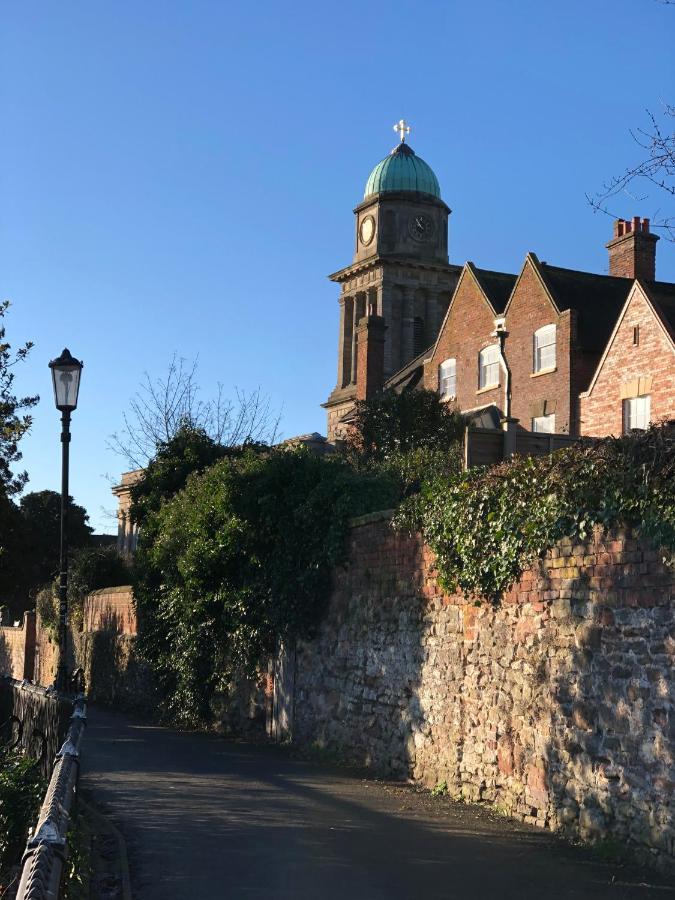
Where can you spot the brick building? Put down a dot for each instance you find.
(533, 346)
(634, 383)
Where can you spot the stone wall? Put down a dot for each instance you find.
(46, 655)
(556, 705)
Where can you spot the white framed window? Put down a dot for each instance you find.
(544, 348)
(544, 424)
(488, 367)
(636, 413)
(447, 378)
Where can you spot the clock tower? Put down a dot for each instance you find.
(396, 291)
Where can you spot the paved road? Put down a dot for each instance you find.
(205, 818)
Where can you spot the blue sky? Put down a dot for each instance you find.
(180, 176)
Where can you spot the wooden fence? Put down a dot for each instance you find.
(488, 446)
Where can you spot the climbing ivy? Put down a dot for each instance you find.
(487, 525)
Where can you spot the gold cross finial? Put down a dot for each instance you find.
(402, 128)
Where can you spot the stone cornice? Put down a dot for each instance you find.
(340, 395)
(412, 197)
(396, 261)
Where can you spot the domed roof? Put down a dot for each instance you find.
(402, 170)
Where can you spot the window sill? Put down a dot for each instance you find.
(543, 372)
(488, 387)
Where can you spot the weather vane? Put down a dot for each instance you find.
(402, 128)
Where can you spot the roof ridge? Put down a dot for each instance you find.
(493, 272)
(546, 265)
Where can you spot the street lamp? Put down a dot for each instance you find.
(66, 379)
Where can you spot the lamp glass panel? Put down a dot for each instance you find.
(66, 386)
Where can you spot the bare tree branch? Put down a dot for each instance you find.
(655, 171)
(163, 405)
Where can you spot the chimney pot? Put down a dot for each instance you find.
(632, 250)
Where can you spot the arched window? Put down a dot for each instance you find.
(447, 379)
(418, 336)
(544, 349)
(488, 367)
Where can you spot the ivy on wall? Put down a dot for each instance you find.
(486, 526)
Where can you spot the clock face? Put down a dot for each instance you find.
(367, 230)
(421, 227)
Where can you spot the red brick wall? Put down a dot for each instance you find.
(466, 332)
(468, 329)
(530, 309)
(17, 648)
(602, 408)
(110, 609)
(46, 655)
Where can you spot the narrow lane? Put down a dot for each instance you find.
(205, 818)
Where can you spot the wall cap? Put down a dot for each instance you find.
(381, 515)
(120, 589)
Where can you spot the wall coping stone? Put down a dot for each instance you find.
(120, 589)
(380, 515)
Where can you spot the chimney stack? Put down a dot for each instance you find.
(632, 250)
(369, 356)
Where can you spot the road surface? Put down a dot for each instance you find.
(207, 818)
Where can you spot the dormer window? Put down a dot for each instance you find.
(544, 349)
(447, 379)
(488, 367)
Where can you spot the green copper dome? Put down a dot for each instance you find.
(402, 170)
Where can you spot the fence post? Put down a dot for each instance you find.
(510, 429)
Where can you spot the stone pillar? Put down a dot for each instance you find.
(345, 341)
(441, 303)
(341, 340)
(359, 312)
(385, 309)
(407, 327)
(370, 339)
(121, 531)
(30, 638)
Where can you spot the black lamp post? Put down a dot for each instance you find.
(66, 378)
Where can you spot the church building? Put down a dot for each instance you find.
(526, 346)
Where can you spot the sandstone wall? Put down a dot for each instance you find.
(557, 705)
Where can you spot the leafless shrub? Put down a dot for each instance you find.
(162, 405)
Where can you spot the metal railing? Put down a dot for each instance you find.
(42, 864)
(34, 719)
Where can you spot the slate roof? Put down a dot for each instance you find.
(497, 286)
(410, 375)
(662, 294)
(597, 298)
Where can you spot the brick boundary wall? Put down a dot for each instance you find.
(110, 609)
(17, 648)
(556, 706)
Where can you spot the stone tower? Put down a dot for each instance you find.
(396, 291)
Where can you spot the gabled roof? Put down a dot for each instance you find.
(663, 309)
(597, 298)
(410, 375)
(496, 286)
